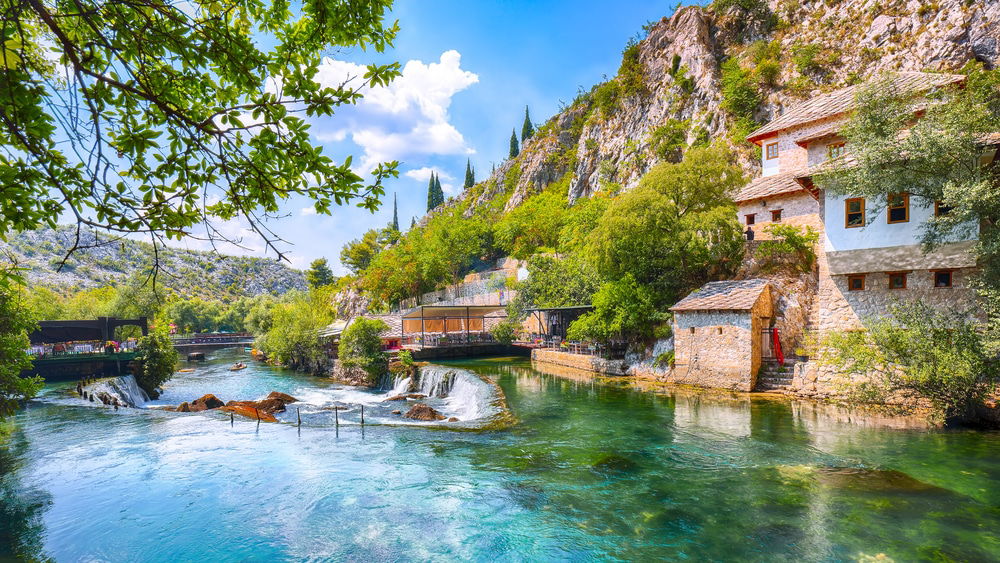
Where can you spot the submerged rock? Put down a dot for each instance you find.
(614, 463)
(453, 419)
(406, 396)
(397, 412)
(421, 411)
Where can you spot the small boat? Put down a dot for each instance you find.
(187, 370)
(238, 366)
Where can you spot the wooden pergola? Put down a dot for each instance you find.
(449, 320)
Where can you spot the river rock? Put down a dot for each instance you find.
(206, 402)
(183, 407)
(406, 396)
(283, 397)
(453, 419)
(421, 411)
(397, 412)
(248, 411)
(275, 402)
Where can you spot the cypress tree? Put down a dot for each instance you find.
(395, 214)
(413, 222)
(430, 193)
(514, 150)
(470, 176)
(438, 192)
(527, 129)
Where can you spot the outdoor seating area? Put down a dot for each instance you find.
(612, 350)
(78, 348)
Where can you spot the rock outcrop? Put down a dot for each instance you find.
(422, 411)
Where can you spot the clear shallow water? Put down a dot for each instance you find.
(590, 472)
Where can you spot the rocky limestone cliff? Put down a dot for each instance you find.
(849, 40)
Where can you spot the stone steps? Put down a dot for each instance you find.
(775, 378)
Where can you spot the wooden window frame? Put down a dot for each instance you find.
(937, 209)
(852, 277)
(848, 212)
(889, 207)
(778, 219)
(889, 280)
(832, 146)
(951, 279)
(768, 155)
(750, 219)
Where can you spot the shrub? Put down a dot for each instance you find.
(158, 360)
(668, 140)
(917, 352)
(630, 72)
(792, 248)
(665, 359)
(806, 58)
(768, 71)
(504, 332)
(606, 97)
(739, 93)
(406, 358)
(361, 347)
(622, 308)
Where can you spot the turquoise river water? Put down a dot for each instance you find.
(588, 472)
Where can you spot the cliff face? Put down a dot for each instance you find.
(807, 47)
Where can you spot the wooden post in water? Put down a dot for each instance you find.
(362, 415)
(336, 415)
(232, 419)
(298, 413)
(257, 412)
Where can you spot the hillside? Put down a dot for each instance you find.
(704, 75)
(188, 273)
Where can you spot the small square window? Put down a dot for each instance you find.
(856, 283)
(771, 151)
(834, 150)
(897, 280)
(899, 208)
(942, 278)
(692, 330)
(941, 209)
(776, 215)
(854, 211)
(751, 218)
(720, 330)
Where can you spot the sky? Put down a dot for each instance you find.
(469, 68)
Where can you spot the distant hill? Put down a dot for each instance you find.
(188, 273)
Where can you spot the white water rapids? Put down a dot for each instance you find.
(122, 389)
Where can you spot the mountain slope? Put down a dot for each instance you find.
(188, 273)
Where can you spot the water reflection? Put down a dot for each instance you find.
(21, 506)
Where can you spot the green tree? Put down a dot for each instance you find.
(15, 323)
(527, 129)
(319, 274)
(361, 347)
(622, 308)
(193, 315)
(158, 359)
(291, 338)
(438, 192)
(676, 229)
(554, 282)
(918, 351)
(532, 226)
(358, 254)
(470, 175)
(935, 159)
(174, 107)
(514, 150)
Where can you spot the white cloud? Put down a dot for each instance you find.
(424, 174)
(308, 211)
(407, 117)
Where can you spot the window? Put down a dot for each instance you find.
(856, 283)
(833, 150)
(897, 280)
(942, 278)
(751, 218)
(776, 215)
(941, 209)
(692, 330)
(720, 330)
(771, 151)
(899, 208)
(854, 212)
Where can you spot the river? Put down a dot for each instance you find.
(587, 472)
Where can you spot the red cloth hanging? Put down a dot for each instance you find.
(777, 346)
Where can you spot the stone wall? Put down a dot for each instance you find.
(720, 348)
(797, 208)
(579, 361)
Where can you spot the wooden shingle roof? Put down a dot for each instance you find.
(841, 101)
(730, 295)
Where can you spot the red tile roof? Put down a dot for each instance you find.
(841, 101)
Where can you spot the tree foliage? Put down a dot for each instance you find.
(514, 149)
(470, 175)
(622, 309)
(918, 351)
(157, 357)
(674, 231)
(790, 248)
(527, 128)
(361, 347)
(291, 337)
(319, 274)
(554, 282)
(533, 226)
(15, 322)
(157, 117)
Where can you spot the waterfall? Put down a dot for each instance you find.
(468, 397)
(122, 389)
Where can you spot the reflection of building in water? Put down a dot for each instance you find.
(697, 413)
(832, 428)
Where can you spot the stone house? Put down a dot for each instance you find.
(869, 255)
(718, 334)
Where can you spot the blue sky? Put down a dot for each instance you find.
(470, 67)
